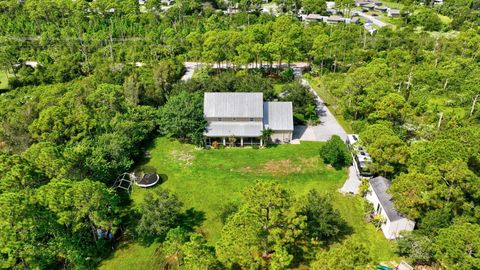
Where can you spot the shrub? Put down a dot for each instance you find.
(336, 153)
(215, 144)
(287, 75)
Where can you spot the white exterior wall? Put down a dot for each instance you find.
(391, 230)
(400, 225)
(281, 136)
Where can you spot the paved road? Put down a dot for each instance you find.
(192, 66)
(328, 124)
(373, 19)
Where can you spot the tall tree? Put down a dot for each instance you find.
(159, 211)
(182, 117)
(458, 245)
(266, 222)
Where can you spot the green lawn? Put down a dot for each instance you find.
(208, 179)
(277, 87)
(3, 80)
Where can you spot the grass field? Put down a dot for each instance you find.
(206, 180)
(3, 80)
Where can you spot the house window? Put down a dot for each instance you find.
(234, 119)
(220, 119)
(251, 119)
(378, 209)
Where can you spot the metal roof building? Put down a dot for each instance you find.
(278, 115)
(233, 105)
(394, 221)
(245, 116)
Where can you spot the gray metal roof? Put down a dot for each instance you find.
(380, 186)
(240, 105)
(237, 129)
(278, 115)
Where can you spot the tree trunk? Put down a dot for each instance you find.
(473, 105)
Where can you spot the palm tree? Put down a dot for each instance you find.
(265, 137)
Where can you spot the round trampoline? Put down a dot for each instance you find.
(148, 180)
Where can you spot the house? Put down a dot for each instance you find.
(355, 20)
(361, 3)
(369, 27)
(371, 3)
(314, 18)
(437, 2)
(331, 11)
(393, 12)
(393, 221)
(369, 6)
(381, 8)
(240, 118)
(335, 19)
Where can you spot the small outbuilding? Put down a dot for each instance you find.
(314, 18)
(394, 222)
(335, 19)
(381, 8)
(393, 12)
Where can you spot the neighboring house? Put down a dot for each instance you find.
(394, 222)
(244, 116)
(369, 6)
(369, 26)
(330, 4)
(361, 3)
(331, 11)
(393, 12)
(381, 8)
(335, 19)
(314, 18)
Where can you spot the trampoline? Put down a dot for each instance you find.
(148, 180)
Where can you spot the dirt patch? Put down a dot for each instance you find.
(184, 156)
(247, 169)
(309, 163)
(281, 167)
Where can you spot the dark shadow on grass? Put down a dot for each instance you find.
(163, 178)
(191, 219)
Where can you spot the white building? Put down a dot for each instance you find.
(394, 222)
(393, 12)
(244, 116)
(361, 157)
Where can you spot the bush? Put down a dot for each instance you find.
(336, 153)
(287, 75)
(160, 211)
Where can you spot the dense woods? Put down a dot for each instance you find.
(108, 81)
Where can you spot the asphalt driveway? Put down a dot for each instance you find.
(328, 126)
